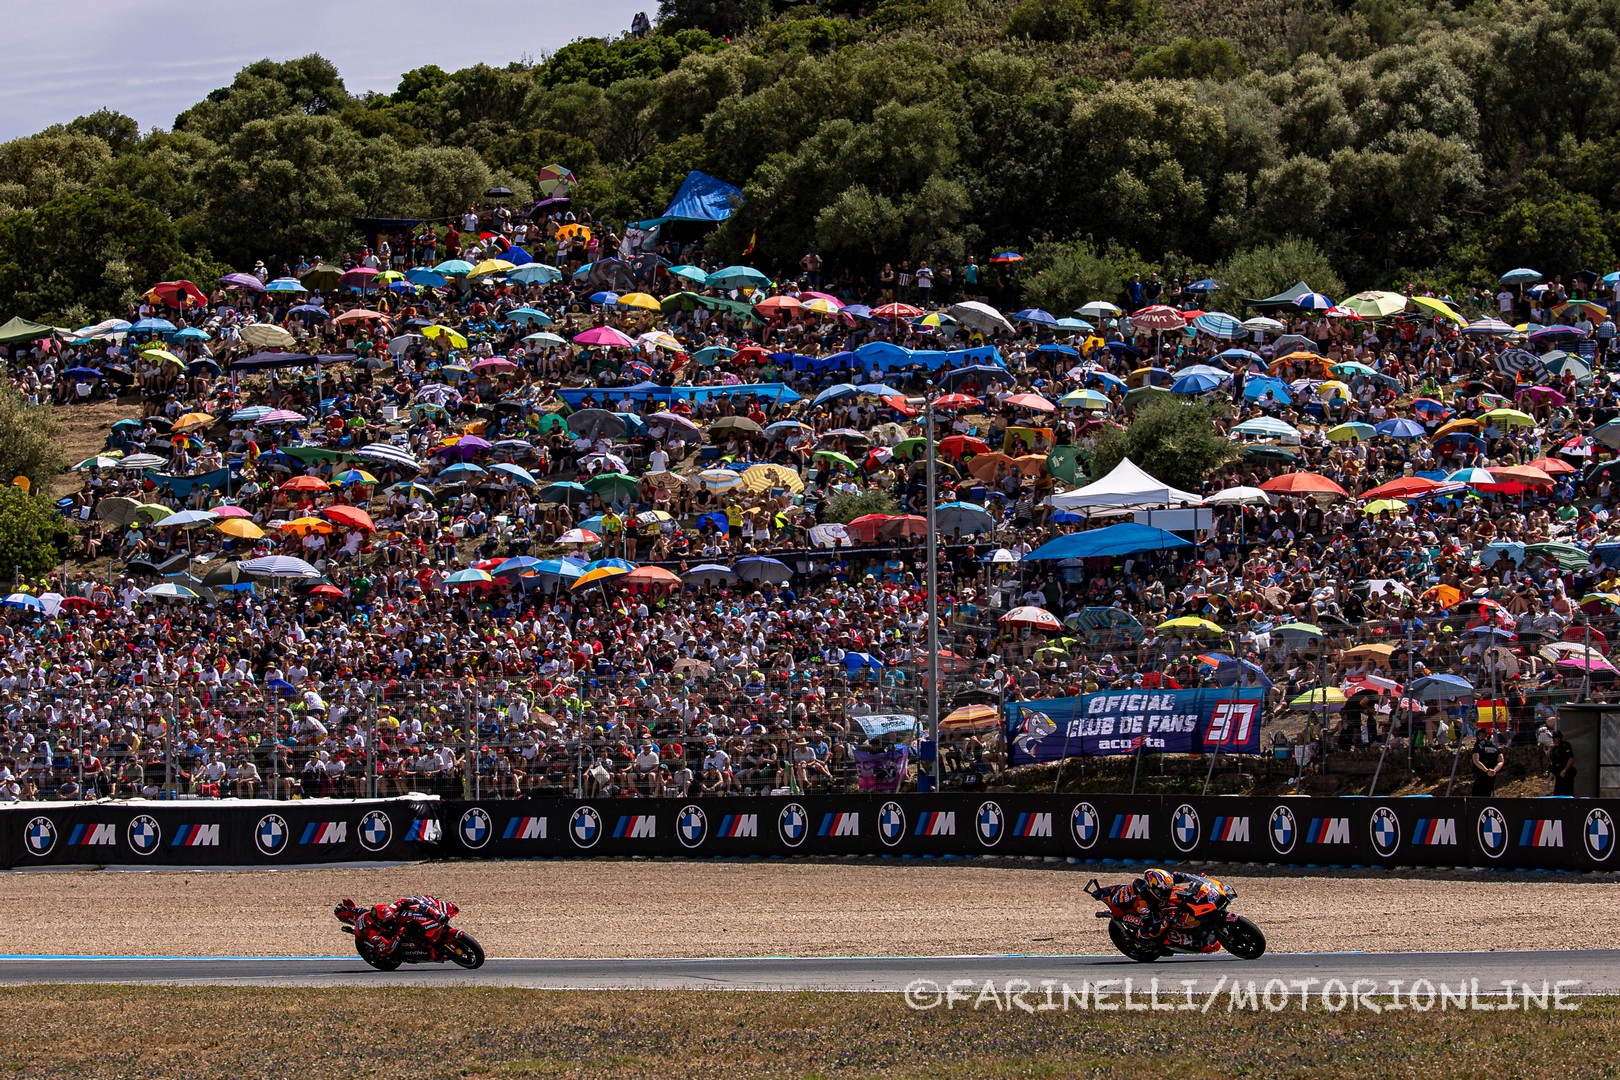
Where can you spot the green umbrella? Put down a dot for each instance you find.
(1268, 453)
(614, 483)
(551, 422)
(1144, 393)
(906, 448)
(153, 511)
(319, 453)
(835, 456)
(1567, 556)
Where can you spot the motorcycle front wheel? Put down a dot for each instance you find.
(1129, 944)
(369, 955)
(465, 951)
(1242, 939)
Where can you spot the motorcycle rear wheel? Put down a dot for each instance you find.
(465, 951)
(1242, 939)
(1128, 943)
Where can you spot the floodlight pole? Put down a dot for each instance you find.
(933, 597)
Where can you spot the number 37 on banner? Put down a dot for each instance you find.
(1232, 723)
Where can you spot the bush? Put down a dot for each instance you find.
(1173, 440)
(1215, 59)
(1063, 21)
(30, 529)
(29, 440)
(846, 508)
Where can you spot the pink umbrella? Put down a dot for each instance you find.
(231, 512)
(360, 277)
(1029, 401)
(604, 335)
(1159, 317)
(1037, 617)
(1585, 663)
(579, 536)
(495, 363)
(1540, 394)
(279, 416)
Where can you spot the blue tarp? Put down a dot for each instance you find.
(769, 393)
(1127, 538)
(183, 486)
(887, 356)
(701, 198)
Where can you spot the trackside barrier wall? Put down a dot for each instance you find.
(1520, 834)
(223, 833)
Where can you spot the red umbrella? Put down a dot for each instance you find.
(326, 590)
(957, 401)
(651, 575)
(1403, 487)
(1037, 617)
(1159, 317)
(896, 311)
(359, 315)
(176, 293)
(352, 516)
(782, 304)
(1029, 401)
(955, 446)
(1303, 483)
(905, 525)
(868, 527)
(305, 483)
(1552, 466)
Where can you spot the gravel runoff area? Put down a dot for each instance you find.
(567, 908)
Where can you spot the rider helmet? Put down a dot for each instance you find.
(1158, 884)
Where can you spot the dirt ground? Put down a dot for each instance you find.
(693, 909)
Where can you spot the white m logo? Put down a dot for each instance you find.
(1335, 830)
(1137, 829)
(102, 834)
(848, 825)
(643, 826)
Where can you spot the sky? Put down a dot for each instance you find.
(72, 57)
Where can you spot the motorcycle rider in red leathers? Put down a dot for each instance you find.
(1158, 897)
(386, 927)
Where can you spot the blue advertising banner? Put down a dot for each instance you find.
(1124, 721)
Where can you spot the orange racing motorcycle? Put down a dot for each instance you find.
(1194, 919)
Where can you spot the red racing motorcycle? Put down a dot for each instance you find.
(1197, 922)
(426, 938)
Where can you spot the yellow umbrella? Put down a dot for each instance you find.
(600, 574)
(241, 528)
(758, 478)
(661, 339)
(492, 266)
(1462, 423)
(1384, 506)
(1319, 698)
(434, 332)
(1509, 418)
(1437, 307)
(821, 305)
(304, 525)
(191, 420)
(164, 355)
(640, 300)
(1191, 622)
(1332, 389)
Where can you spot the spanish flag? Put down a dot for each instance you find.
(749, 250)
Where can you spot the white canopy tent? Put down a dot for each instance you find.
(1126, 487)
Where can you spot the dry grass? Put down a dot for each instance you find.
(209, 1032)
(84, 432)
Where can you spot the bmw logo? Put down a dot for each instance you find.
(1083, 823)
(1184, 828)
(1385, 830)
(476, 828)
(891, 823)
(144, 834)
(1493, 832)
(1599, 834)
(1283, 829)
(585, 827)
(691, 826)
(375, 830)
(793, 824)
(39, 836)
(270, 834)
(990, 823)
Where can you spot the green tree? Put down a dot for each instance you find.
(1547, 226)
(1059, 277)
(1215, 59)
(96, 248)
(1172, 439)
(309, 86)
(847, 507)
(30, 439)
(1075, 20)
(1267, 269)
(723, 18)
(30, 531)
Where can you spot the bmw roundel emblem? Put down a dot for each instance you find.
(39, 836)
(691, 826)
(270, 834)
(989, 823)
(1184, 828)
(793, 824)
(1493, 832)
(1083, 823)
(1385, 831)
(375, 830)
(476, 828)
(1599, 834)
(891, 823)
(144, 834)
(585, 827)
(1283, 830)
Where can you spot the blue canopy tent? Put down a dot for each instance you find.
(1126, 538)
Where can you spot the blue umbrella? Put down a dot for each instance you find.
(191, 333)
(516, 472)
(1206, 285)
(760, 568)
(738, 277)
(534, 274)
(1108, 379)
(528, 316)
(710, 574)
(1065, 350)
(421, 275)
(1220, 324)
(1072, 323)
(564, 569)
(1439, 688)
(1255, 389)
(1232, 671)
(1240, 357)
(1198, 382)
(286, 284)
(24, 601)
(1313, 301)
(879, 390)
(968, 517)
(516, 565)
(835, 392)
(605, 298)
(981, 372)
(1521, 276)
(618, 564)
(152, 326)
(1400, 428)
(854, 660)
(1036, 316)
(461, 469)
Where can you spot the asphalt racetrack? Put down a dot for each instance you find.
(1579, 972)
